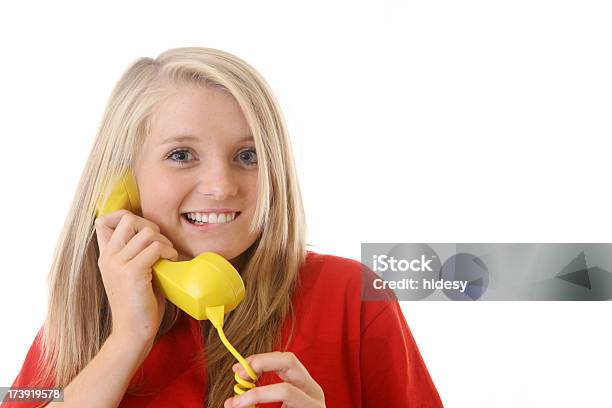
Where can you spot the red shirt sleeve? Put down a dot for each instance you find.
(28, 374)
(393, 371)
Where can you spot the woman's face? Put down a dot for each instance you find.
(199, 158)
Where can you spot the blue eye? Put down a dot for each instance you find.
(180, 155)
(249, 156)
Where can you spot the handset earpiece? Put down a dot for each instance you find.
(124, 195)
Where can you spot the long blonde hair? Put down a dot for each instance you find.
(78, 318)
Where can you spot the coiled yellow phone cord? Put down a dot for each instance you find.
(215, 315)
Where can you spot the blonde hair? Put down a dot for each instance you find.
(78, 318)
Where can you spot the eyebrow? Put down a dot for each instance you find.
(191, 138)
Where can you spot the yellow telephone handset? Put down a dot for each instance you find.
(206, 287)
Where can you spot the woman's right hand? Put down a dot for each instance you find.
(129, 246)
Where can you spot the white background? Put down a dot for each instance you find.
(430, 121)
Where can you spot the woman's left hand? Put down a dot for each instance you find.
(299, 389)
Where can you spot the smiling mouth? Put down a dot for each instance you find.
(213, 220)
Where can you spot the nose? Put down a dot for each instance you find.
(218, 179)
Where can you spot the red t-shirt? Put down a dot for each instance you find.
(361, 353)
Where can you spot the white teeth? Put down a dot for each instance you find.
(211, 218)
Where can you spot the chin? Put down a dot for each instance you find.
(190, 254)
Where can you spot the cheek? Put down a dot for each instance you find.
(160, 198)
(250, 190)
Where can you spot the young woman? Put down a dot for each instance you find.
(205, 139)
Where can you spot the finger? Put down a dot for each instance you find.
(129, 225)
(140, 241)
(105, 225)
(284, 392)
(286, 365)
(152, 254)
